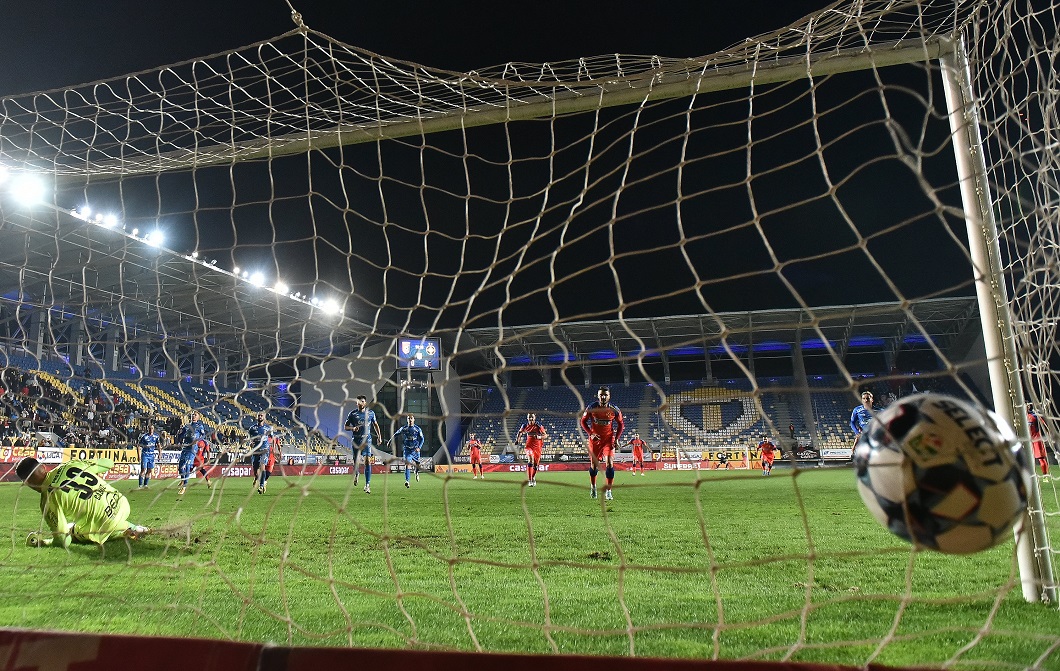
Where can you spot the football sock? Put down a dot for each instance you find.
(592, 476)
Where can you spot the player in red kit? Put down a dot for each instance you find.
(603, 423)
(1034, 427)
(202, 456)
(768, 450)
(638, 452)
(474, 447)
(535, 441)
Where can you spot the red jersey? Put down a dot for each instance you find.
(767, 448)
(604, 421)
(202, 454)
(473, 446)
(638, 445)
(535, 435)
(1034, 426)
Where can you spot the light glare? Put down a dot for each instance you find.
(27, 190)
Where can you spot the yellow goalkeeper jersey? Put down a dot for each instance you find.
(73, 494)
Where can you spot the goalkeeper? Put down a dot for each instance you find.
(78, 507)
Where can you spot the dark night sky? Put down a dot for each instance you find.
(60, 43)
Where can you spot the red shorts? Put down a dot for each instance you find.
(200, 456)
(767, 459)
(602, 448)
(638, 454)
(533, 454)
(476, 457)
(1039, 448)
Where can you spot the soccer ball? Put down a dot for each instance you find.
(942, 473)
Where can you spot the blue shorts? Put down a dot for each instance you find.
(412, 454)
(259, 459)
(186, 461)
(147, 463)
(363, 449)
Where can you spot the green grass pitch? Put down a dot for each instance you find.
(704, 565)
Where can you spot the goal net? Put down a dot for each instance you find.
(736, 245)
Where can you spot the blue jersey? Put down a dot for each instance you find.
(860, 418)
(148, 448)
(411, 437)
(192, 433)
(360, 422)
(260, 433)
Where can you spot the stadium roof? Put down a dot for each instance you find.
(114, 279)
(110, 279)
(951, 324)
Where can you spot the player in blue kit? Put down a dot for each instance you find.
(360, 423)
(862, 415)
(147, 448)
(260, 451)
(411, 437)
(193, 436)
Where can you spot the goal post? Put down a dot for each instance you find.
(1035, 559)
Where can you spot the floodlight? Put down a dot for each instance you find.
(155, 238)
(257, 279)
(27, 190)
(85, 212)
(280, 287)
(110, 221)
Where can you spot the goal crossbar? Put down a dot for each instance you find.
(543, 100)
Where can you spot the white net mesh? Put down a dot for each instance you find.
(736, 243)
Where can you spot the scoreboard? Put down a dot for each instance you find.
(419, 353)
